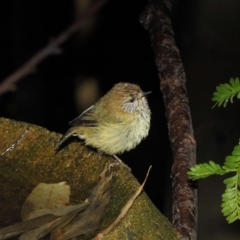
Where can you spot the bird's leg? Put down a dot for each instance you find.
(119, 161)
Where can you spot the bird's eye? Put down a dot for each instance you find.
(131, 99)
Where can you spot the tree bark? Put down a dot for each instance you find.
(156, 19)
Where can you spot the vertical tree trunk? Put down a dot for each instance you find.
(156, 20)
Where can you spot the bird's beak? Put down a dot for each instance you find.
(145, 93)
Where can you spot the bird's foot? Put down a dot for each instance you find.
(119, 161)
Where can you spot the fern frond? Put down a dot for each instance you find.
(232, 162)
(204, 170)
(226, 92)
(231, 198)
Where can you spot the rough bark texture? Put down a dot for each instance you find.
(33, 160)
(156, 20)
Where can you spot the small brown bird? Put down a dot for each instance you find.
(116, 123)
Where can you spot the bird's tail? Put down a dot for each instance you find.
(63, 138)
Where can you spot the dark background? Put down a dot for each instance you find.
(114, 47)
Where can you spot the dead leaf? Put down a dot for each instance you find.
(38, 227)
(87, 221)
(45, 196)
(21, 227)
(126, 207)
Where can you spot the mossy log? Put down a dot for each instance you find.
(32, 159)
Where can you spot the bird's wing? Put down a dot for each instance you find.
(85, 119)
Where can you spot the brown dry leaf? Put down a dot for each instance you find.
(36, 233)
(67, 214)
(21, 227)
(45, 196)
(125, 209)
(40, 226)
(43, 210)
(87, 221)
(63, 222)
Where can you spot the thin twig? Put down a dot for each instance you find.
(52, 48)
(126, 207)
(157, 21)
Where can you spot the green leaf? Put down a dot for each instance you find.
(234, 83)
(225, 92)
(232, 217)
(236, 150)
(231, 180)
(204, 170)
(227, 197)
(231, 165)
(231, 198)
(238, 95)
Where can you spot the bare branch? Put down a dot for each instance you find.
(156, 20)
(52, 48)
